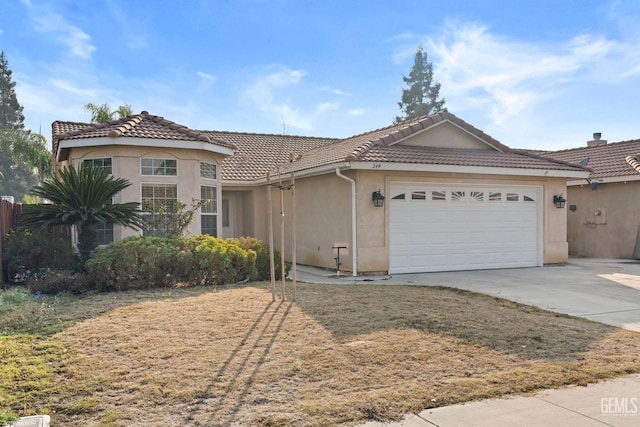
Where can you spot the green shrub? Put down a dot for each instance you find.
(262, 258)
(28, 253)
(217, 261)
(135, 263)
(146, 262)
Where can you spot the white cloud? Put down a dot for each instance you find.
(278, 92)
(206, 76)
(327, 106)
(69, 88)
(479, 69)
(335, 91)
(76, 40)
(357, 112)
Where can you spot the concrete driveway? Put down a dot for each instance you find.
(603, 290)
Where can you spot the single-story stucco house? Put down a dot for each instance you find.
(429, 194)
(604, 210)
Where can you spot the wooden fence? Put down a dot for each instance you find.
(9, 213)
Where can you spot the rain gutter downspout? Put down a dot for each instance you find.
(354, 241)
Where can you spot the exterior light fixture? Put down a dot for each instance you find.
(559, 201)
(378, 199)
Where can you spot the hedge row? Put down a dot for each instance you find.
(149, 262)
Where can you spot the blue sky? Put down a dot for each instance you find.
(532, 74)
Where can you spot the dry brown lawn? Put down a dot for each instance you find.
(339, 355)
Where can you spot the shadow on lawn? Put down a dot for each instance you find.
(250, 354)
(501, 325)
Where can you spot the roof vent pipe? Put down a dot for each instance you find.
(597, 140)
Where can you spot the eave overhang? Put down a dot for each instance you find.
(484, 170)
(65, 145)
(404, 167)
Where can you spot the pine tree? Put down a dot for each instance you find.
(421, 96)
(11, 116)
(16, 175)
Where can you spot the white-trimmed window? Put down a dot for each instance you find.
(104, 232)
(208, 170)
(105, 163)
(160, 167)
(155, 197)
(209, 210)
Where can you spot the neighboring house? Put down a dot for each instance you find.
(604, 210)
(454, 198)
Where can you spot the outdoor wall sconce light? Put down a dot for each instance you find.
(378, 199)
(559, 201)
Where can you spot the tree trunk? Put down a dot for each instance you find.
(87, 236)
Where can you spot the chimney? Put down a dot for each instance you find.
(596, 141)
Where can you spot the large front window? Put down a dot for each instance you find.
(158, 201)
(209, 210)
(104, 232)
(159, 167)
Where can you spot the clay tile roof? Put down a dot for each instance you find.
(615, 159)
(143, 125)
(461, 157)
(380, 146)
(257, 153)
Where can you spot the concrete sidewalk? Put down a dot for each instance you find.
(610, 403)
(606, 291)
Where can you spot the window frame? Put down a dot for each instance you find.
(153, 185)
(105, 232)
(209, 210)
(92, 160)
(158, 164)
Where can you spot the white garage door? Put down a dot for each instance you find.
(458, 227)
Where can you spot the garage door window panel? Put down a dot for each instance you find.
(457, 196)
(439, 196)
(476, 196)
(495, 197)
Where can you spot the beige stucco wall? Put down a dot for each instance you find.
(323, 215)
(446, 135)
(605, 221)
(126, 164)
(244, 219)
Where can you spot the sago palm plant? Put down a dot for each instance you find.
(81, 197)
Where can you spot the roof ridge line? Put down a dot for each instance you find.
(272, 134)
(584, 147)
(538, 156)
(360, 150)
